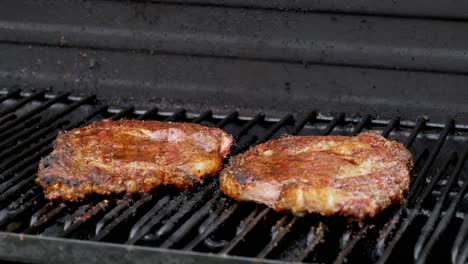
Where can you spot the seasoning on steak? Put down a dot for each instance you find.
(352, 176)
(131, 156)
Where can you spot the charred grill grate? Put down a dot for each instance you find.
(430, 222)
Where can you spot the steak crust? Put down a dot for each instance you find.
(352, 176)
(131, 156)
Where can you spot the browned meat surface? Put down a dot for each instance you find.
(353, 176)
(131, 156)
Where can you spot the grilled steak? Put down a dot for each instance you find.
(131, 156)
(353, 176)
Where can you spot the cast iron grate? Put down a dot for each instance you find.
(431, 222)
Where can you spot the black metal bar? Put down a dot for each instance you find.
(26, 123)
(227, 119)
(44, 124)
(420, 123)
(23, 203)
(135, 230)
(184, 210)
(13, 190)
(123, 113)
(463, 255)
(31, 113)
(122, 204)
(333, 123)
(148, 114)
(245, 229)
(395, 122)
(423, 245)
(7, 118)
(412, 214)
(443, 224)
(10, 94)
(283, 121)
(177, 116)
(360, 126)
(25, 196)
(224, 215)
(348, 248)
(258, 118)
(310, 117)
(314, 237)
(78, 221)
(10, 182)
(21, 102)
(38, 134)
(44, 219)
(460, 242)
(128, 213)
(189, 224)
(440, 141)
(391, 224)
(203, 116)
(278, 231)
(154, 216)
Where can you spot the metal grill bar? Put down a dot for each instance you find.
(33, 112)
(21, 133)
(10, 94)
(122, 204)
(415, 188)
(42, 146)
(203, 116)
(125, 112)
(443, 135)
(420, 123)
(426, 242)
(258, 118)
(335, 121)
(189, 224)
(21, 102)
(184, 210)
(315, 235)
(280, 229)
(79, 220)
(363, 122)
(347, 249)
(460, 244)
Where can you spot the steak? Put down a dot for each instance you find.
(352, 176)
(131, 156)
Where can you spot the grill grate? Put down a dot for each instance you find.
(204, 220)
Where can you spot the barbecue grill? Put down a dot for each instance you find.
(257, 70)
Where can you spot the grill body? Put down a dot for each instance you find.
(257, 69)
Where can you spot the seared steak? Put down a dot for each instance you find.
(131, 156)
(353, 176)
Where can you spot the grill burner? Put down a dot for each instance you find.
(182, 226)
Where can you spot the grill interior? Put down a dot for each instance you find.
(430, 222)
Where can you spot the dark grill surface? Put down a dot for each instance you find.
(430, 223)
